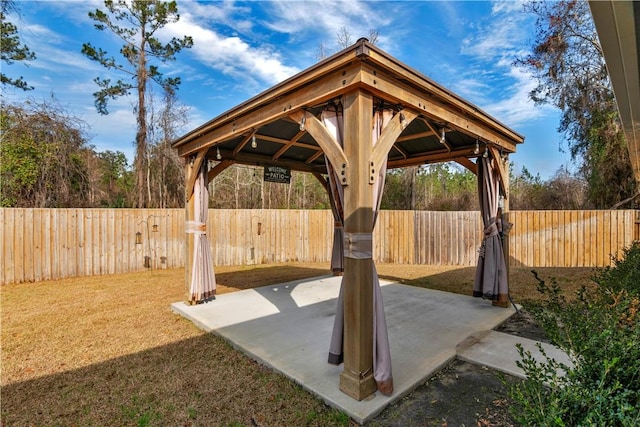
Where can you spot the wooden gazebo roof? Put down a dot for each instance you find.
(274, 116)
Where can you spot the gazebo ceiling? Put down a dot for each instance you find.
(274, 117)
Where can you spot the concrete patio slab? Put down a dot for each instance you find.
(288, 327)
(498, 351)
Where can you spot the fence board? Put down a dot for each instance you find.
(41, 244)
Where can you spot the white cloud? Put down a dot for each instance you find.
(326, 17)
(232, 55)
(493, 46)
(509, 6)
(515, 108)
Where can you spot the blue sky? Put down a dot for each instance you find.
(243, 48)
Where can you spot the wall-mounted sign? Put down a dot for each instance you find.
(277, 174)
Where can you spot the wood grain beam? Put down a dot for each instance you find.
(392, 65)
(193, 172)
(252, 159)
(331, 148)
(288, 144)
(217, 169)
(330, 87)
(389, 135)
(393, 90)
(244, 142)
(467, 164)
(439, 156)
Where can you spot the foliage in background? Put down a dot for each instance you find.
(443, 186)
(562, 191)
(43, 157)
(136, 23)
(600, 330)
(242, 187)
(12, 48)
(567, 60)
(45, 161)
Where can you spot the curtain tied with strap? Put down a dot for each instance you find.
(203, 280)
(491, 280)
(360, 246)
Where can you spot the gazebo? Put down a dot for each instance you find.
(346, 120)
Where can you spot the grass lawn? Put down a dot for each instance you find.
(107, 350)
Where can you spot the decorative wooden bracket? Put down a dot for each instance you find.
(473, 167)
(389, 135)
(332, 150)
(193, 172)
(217, 169)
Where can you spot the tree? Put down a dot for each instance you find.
(166, 183)
(568, 63)
(42, 157)
(12, 48)
(136, 23)
(115, 181)
(343, 41)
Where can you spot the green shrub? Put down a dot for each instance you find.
(625, 274)
(600, 330)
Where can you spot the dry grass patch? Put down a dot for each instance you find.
(523, 286)
(107, 350)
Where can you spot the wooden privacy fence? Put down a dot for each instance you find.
(42, 244)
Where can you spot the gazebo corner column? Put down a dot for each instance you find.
(357, 378)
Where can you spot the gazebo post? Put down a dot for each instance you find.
(357, 379)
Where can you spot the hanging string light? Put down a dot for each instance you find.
(302, 123)
(254, 142)
(218, 155)
(476, 151)
(442, 137)
(486, 151)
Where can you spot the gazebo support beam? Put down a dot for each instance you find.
(357, 379)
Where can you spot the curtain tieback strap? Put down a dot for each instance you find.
(196, 227)
(358, 245)
(491, 230)
(337, 224)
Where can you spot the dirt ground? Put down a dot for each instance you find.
(462, 394)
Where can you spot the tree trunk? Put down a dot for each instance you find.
(141, 134)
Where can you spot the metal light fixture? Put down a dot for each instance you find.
(302, 123)
(403, 120)
(476, 151)
(138, 238)
(442, 137)
(218, 155)
(254, 143)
